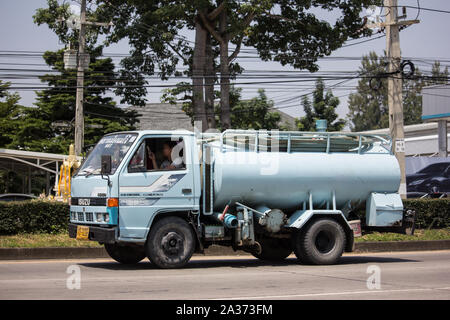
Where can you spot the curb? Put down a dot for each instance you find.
(52, 253)
(390, 246)
(214, 250)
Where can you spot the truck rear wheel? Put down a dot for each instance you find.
(274, 249)
(170, 243)
(322, 242)
(125, 254)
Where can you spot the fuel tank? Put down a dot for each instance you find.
(285, 180)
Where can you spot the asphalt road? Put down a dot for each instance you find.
(403, 275)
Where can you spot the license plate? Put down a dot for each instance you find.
(82, 233)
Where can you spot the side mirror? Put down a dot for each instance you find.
(106, 164)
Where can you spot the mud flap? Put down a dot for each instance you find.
(409, 222)
(407, 226)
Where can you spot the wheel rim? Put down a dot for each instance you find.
(172, 244)
(324, 241)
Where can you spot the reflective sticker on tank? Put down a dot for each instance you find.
(163, 184)
(137, 202)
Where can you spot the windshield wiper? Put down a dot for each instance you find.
(95, 171)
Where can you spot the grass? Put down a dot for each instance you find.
(29, 240)
(63, 240)
(422, 234)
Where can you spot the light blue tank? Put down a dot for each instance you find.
(285, 180)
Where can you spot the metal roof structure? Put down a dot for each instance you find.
(26, 163)
(23, 159)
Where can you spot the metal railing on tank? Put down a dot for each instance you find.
(295, 141)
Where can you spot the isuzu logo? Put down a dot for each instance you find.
(84, 202)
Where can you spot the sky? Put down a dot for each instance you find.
(429, 39)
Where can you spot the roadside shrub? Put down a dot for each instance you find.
(430, 213)
(36, 216)
(40, 216)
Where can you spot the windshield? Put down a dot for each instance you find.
(115, 145)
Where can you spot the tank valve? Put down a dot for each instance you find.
(272, 220)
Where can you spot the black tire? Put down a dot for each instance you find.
(125, 254)
(274, 249)
(322, 242)
(170, 243)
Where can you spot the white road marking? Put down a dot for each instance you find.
(306, 295)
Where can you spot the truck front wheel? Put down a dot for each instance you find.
(170, 243)
(274, 249)
(322, 242)
(125, 254)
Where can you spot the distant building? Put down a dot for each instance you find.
(162, 116)
(436, 108)
(166, 116)
(420, 139)
(287, 120)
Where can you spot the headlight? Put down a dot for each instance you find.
(416, 182)
(102, 217)
(99, 216)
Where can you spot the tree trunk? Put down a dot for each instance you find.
(198, 69)
(210, 78)
(225, 116)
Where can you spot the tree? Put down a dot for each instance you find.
(323, 106)
(368, 106)
(253, 114)
(129, 85)
(10, 114)
(47, 127)
(284, 31)
(288, 31)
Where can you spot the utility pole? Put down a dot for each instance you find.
(79, 110)
(395, 84)
(82, 63)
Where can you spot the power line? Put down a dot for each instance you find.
(364, 41)
(426, 9)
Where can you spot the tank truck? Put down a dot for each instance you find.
(167, 194)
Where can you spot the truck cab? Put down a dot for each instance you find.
(117, 207)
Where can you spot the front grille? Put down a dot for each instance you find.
(89, 216)
(80, 216)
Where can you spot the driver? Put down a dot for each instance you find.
(168, 163)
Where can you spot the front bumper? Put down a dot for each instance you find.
(103, 235)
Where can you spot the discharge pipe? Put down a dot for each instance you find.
(228, 220)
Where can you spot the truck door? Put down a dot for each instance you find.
(148, 187)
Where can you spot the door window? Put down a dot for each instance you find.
(158, 154)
